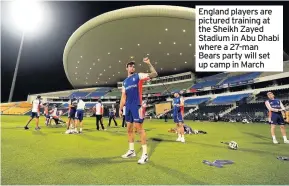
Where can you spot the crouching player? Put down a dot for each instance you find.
(276, 109)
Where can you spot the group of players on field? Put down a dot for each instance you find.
(132, 111)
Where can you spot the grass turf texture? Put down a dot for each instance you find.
(50, 157)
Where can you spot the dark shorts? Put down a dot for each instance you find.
(178, 118)
(72, 114)
(277, 119)
(79, 115)
(47, 115)
(34, 115)
(134, 114)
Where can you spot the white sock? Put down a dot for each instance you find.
(131, 146)
(274, 137)
(285, 138)
(179, 135)
(182, 136)
(80, 129)
(144, 149)
(75, 129)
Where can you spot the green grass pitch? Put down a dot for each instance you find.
(50, 157)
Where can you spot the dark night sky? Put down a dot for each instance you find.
(41, 68)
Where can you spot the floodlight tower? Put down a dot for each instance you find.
(27, 15)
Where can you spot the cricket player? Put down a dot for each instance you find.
(178, 118)
(132, 99)
(112, 112)
(79, 115)
(36, 104)
(72, 105)
(98, 110)
(276, 110)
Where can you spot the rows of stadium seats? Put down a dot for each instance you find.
(214, 77)
(229, 99)
(216, 109)
(179, 86)
(18, 108)
(206, 84)
(6, 106)
(196, 101)
(78, 94)
(242, 77)
(100, 92)
(114, 92)
(250, 107)
(279, 94)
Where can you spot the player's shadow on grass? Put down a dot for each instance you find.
(262, 143)
(257, 136)
(90, 162)
(117, 133)
(39, 133)
(188, 179)
(92, 138)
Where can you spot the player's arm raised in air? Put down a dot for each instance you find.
(270, 108)
(122, 101)
(153, 73)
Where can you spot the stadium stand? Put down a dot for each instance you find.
(241, 77)
(6, 106)
(206, 84)
(215, 77)
(78, 94)
(195, 101)
(114, 92)
(229, 99)
(215, 109)
(178, 86)
(282, 94)
(20, 108)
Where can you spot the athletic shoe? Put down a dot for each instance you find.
(37, 128)
(275, 141)
(179, 139)
(129, 154)
(26, 128)
(68, 132)
(144, 158)
(286, 141)
(183, 140)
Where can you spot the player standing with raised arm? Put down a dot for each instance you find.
(275, 108)
(178, 118)
(132, 99)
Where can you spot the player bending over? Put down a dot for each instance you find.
(276, 108)
(132, 99)
(178, 118)
(79, 115)
(36, 104)
(46, 113)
